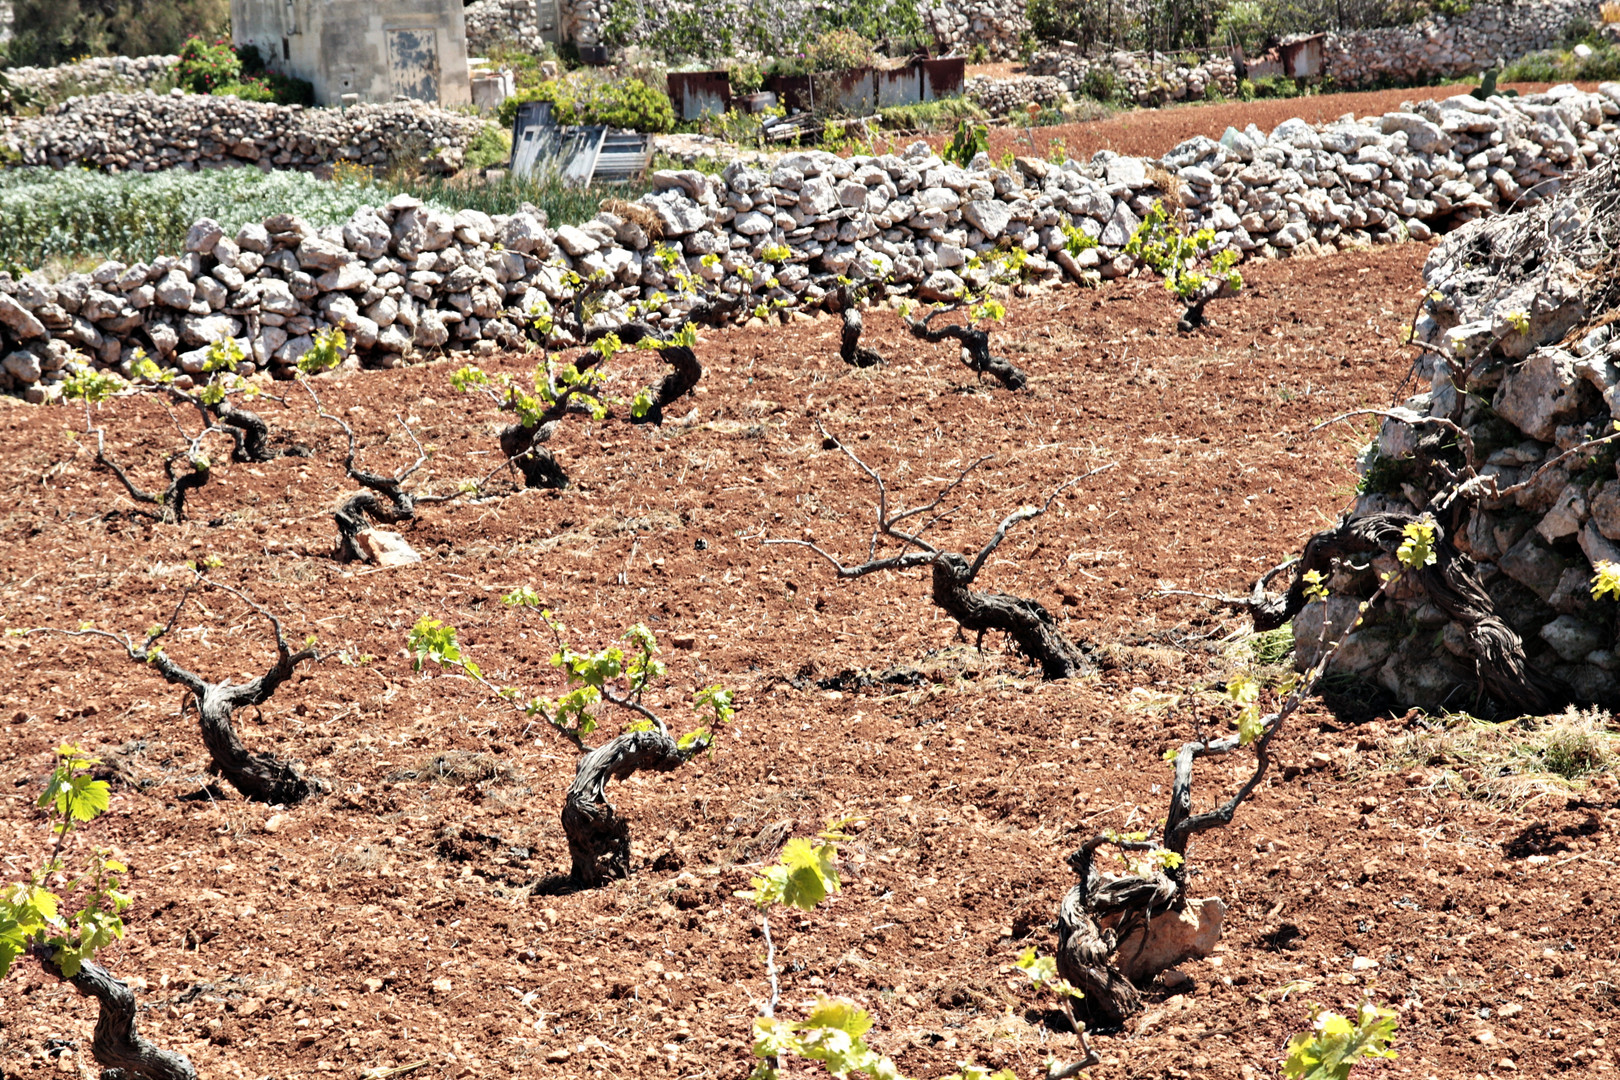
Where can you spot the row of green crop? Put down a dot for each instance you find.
(73, 215)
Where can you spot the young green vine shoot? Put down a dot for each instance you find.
(1335, 1043)
(31, 915)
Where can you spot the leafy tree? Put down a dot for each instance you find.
(51, 32)
(33, 922)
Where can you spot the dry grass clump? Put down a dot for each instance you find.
(1512, 764)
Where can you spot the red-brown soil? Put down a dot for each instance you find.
(394, 920)
(1151, 132)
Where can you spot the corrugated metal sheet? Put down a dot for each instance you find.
(943, 78)
(1303, 58)
(695, 93)
(579, 156)
(862, 91)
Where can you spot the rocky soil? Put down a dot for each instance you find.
(405, 916)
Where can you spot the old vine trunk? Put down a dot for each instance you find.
(1030, 625)
(116, 1044)
(598, 838)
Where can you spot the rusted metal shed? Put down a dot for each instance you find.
(696, 93)
(1303, 58)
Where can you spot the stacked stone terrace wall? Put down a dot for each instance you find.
(406, 279)
(147, 132)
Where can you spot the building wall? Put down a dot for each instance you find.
(378, 51)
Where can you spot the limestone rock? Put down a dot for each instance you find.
(384, 548)
(1172, 938)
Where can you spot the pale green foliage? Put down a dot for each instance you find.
(1519, 320)
(30, 914)
(91, 386)
(1315, 589)
(1143, 862)
(1042, 971)
(432, 640)
(325, 354)
(832, 1034)
(552, 382)
(1417, 545)
(1606, 582)
(1335, 1043)
(1174, 255)
(776, 253)
(522, 596)
(804, 874)
(1076, 239)
(590, 676)
(1244, 691)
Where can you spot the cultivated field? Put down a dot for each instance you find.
(412, 913)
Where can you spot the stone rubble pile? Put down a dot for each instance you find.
(406, 278)
(96, 75)
(503, 22)
(1524, 358)
(147, 132)
(1002, 97)
(959, 25)
(1148, 79)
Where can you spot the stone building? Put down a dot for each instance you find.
(377, 50)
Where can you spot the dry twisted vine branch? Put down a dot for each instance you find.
(1030, 625)
(261, 777)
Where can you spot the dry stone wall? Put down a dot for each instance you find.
(146, 132)
(1434, 49)
(999, 97)
(1147, 79)
(1449, 47)
(96, 75)
(960, 25)
(501, 22)
(1522, 356)
(406, 279)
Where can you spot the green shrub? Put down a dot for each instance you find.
(205, 66)
(1552, 66)
(584, 98)
(969, 141)
(1099, 83)
(839, 50)
(250, 90)
(746, 77)
(259, 79)
(929, 115)
(71, 214)
(1276, 86)
(491, 146)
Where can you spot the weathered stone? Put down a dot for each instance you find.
(19, 319)
(1172, 938)
(1543, 392)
